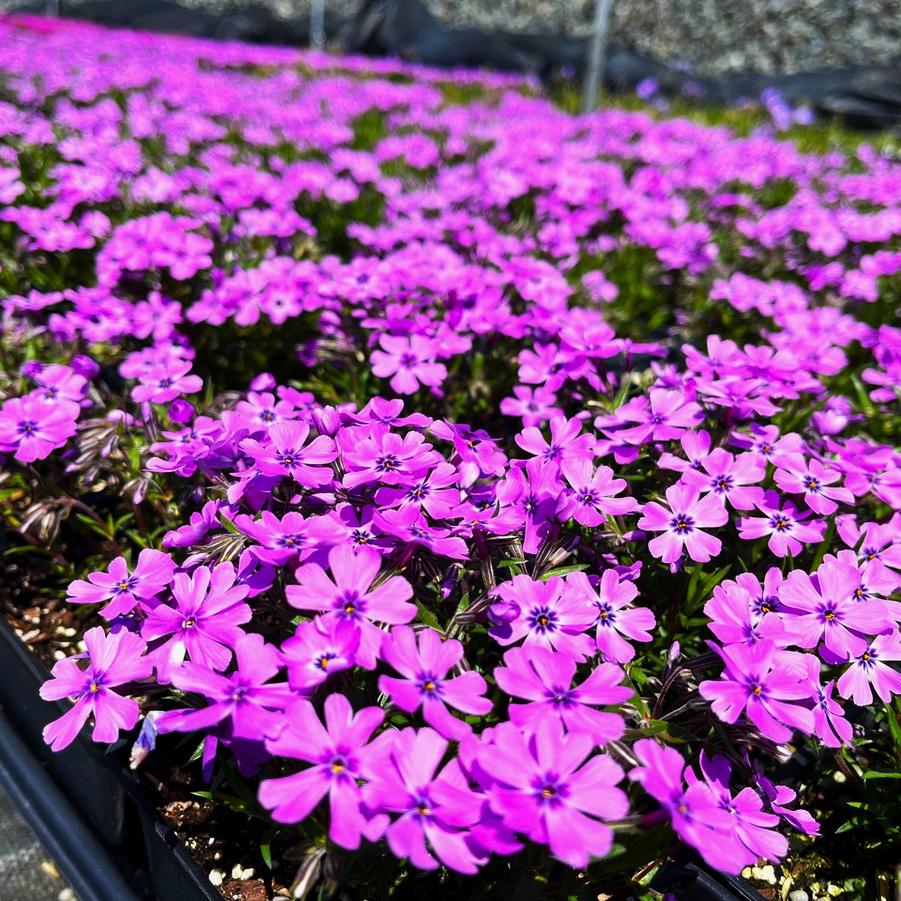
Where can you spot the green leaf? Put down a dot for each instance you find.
(509, 564)
(873, 774)
(428, 616)
(563, 571)
(266, 854)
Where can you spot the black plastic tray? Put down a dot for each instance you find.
(83, 803)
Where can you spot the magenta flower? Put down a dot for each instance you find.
(533, 405)
(532, 491)
(683, 523)
(433, 809)
(544, 788)
(752, 826)
(285, 455)
(664, 415)
(435, 493)
(729, 477)
(544, 678)
(384, 456)
(810, 478)
(413, 530)
(113, 660)
(694, 811)
(590, 497)
(335, 753)
(786, 527)
(871, 670)
(317, 649)
(279, 541)
(424, 664)
(243, 697)
(350, 596)
(761, 682)
(822, 607)
(205, 622)
(615, 618)
(547, 614)
(163, 382)
(566, 442)
(120, 589)
(31, 429)
(409, 362)
(60, 383)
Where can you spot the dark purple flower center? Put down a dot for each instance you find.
(812, 484)
(288, 459)
(561, 697)
(338, 765)
(165, 382)
(408, 360)
(868, 658)
(606, 614)
(657, 419)
(587, 497)
(359, 536)
(722, 484)
(549, 790)
(267, 416)
(542, 620)
(830, 614)
(125, 585)
(766, 603)
(27, 428)
(387, 463)
(292, 541)
(682, 524)
(421, 806)
(429, 684)
(780, 522)
(323, 660)
(349, 604)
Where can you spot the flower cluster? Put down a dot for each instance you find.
(472, 476)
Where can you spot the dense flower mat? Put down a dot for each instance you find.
(464, 475)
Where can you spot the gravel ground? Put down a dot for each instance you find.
(26, 874)
(710, 36)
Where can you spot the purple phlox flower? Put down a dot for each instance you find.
(566, 442)
(113, 659)
(546, 613)
(682, 525)
(60, 383)
(544, 678)
(732, 611)
(335, 754)
(409, 361)
(205, 621)
(413, 530)
(695, 446)
(590, 497)
(662, 416)
(829, 723)
(533, 405)
(317, 649)
(532, 490)
(752, 825)
(120, 589)
(424, 661)
(477, 451)
(31, 429)
(729, 477)
(616, 620)
(786, 528)
(743, 397)
(822, 607)
(875, 541)
(290, 538)
(546, 789)
(761, 681)
(256, 574)
(434, 492)
(434, 809)
(694, 811)
(262, 411)
(389, 412)
(245, 697)
(163, 382)
(871, 669)
(285, 454)
(767, 443)
(376, 454)
(796, 475)
(199, 525)
(355, 527)
(779, 796)
(352, 598)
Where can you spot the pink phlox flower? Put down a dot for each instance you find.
(411, 529)
(31, 429)
(121, 589)
(812, 479)
(113, 660)
(683, 524)
(319, 648)
(695, 446)
(163, 382)
(544, 678)
(590, 498)
(784, 525)
(287, 454)
(335, 753)
(409, 361)
(435, 492)
(617, 622)
(729, 477)
(348, 595)
(548, 787)
(423, 660)
(376, 454)
(566, 442)
(662, 416)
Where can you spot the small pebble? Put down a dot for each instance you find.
(217, 877)
(798, 895)
(239, 872)
(66, 894)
